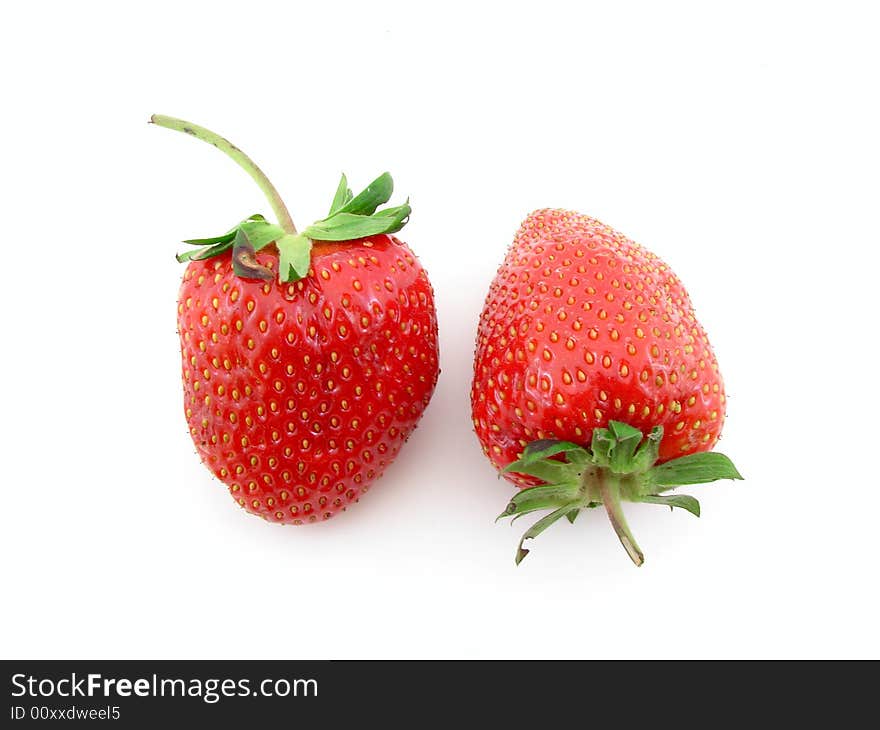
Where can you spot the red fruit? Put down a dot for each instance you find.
(299, 395)
(583, 329)
(582, 325)
(308, 358)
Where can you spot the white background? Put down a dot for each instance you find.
(740, 144)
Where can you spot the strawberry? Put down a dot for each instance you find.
(308, 358)
(593, 381)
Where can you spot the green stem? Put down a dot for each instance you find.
(245, 162)
(610, 491)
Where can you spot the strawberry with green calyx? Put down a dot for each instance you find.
(308, 357)
(594, 383)
(619, 465)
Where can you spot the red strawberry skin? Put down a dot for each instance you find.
(299, 395)
(581, 326)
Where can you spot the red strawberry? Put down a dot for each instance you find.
(586, 341)
(305, 367)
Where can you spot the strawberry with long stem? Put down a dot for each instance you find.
(308, 357)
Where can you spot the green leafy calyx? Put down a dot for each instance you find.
(350, 217)
(618, 466)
